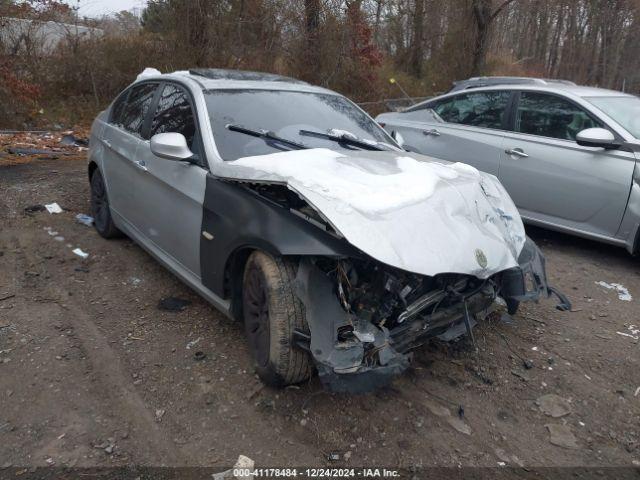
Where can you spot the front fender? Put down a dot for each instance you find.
(236, 218)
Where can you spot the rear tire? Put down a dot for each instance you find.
(271, 312)
(100, 210)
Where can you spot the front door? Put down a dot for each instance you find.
(170, 194)
(465, 128)
(554, 180)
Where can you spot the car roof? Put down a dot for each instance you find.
(476, 83)
(565, 88)
(223, 79)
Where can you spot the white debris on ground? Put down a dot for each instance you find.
(84, 219)
(193, 343)
(53, 208)
(242, 470)
(623, 293)
(634, 332)
(80, 253)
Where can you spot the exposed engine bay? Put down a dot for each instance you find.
(365, 318)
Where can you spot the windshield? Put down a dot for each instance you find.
(285, 114)
(624, 110)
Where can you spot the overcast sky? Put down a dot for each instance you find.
(96, 8)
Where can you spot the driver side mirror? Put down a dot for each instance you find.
(172, 146)
(596, 137)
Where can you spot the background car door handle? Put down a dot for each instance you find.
(433, 132)
(517, 152)
(107, 143)
(141, 165)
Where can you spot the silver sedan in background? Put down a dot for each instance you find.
(567, 154)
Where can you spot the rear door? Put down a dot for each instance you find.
(466, 128)
(555, 181)
(170, 194)
(121, 138)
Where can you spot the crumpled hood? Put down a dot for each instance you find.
(407, 210)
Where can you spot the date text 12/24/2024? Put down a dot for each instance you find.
(316, 473)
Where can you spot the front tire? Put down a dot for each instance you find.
(102, 220)
(271, 312)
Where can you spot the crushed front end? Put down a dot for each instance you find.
(365, 317)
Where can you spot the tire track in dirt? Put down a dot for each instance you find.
(104, 369)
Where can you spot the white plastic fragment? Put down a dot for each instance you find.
(192, 343)
(53, 208)
(623, 293)
(634, 332)
(80, 253)
(84, 219)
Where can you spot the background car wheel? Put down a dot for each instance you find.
(102, 220)
(271, 312)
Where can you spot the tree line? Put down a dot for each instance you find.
(353, 46)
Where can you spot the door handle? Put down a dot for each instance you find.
(433, 132)
(518, 152)
(107, 143)
(141, 165)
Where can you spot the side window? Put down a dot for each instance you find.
(136, 107)
(479, 109)
(422, 115)
(551, 116)
(118, 109)
(174, 114)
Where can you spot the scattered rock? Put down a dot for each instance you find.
(553, 405)
(561, 436)
(243, 463)
(159, 414)
(443, 412)
(520, 375)
(173, 304)
(34, 208)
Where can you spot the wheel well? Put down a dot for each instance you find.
(636, 243)
(233, 275)
(93, 166)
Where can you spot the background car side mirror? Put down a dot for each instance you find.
(397, 137)
(172, 146)
(596, 137)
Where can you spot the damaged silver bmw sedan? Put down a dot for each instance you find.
(287, 207)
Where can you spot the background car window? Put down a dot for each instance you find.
(174, 114)
(480, 109)
(423, 115)
(136, 107)
(551, 116)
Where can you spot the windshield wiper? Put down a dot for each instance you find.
(267, 135)
(346, 138)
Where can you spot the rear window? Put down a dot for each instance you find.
(134, 111)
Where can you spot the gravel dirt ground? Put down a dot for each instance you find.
(92, 373)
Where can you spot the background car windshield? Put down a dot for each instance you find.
(285, 113)
(624, 110)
